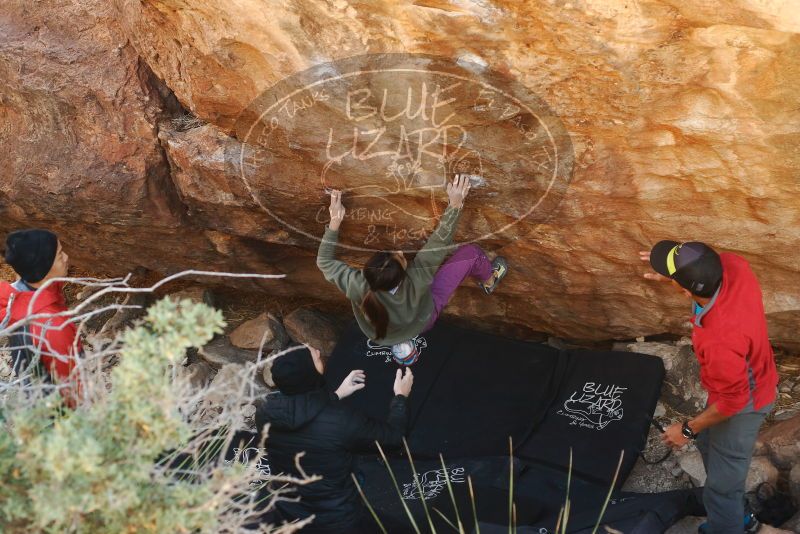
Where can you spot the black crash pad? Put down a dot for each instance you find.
(603, 407)
(472, 391)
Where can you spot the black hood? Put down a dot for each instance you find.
(295, 373)
(289, 412)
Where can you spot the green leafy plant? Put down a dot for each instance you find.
(140, 453)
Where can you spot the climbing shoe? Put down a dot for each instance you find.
(499, 270)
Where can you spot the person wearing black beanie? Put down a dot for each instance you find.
(38, 258)
(297, 372)
(36, 255)
(303, 417)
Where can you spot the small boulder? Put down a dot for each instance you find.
(221, 352)
(782, 442)
(782, 414)
(249, 334)
(198, 374)
(692, 464)
(126, 316)
(761, 470)
(312, 327)
(682, 389)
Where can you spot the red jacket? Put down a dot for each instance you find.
(730, 336)
(60, 336)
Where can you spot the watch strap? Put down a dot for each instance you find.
(687, 431)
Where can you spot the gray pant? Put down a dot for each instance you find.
(727, 449)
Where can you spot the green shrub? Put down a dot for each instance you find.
(99, 468)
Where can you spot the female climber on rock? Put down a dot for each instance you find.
(394, 301)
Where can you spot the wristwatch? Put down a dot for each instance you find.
(687, 432)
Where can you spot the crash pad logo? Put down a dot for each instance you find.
(594, 406)
(432, 483)
(389, 130)
(243, 456)
(388, 353)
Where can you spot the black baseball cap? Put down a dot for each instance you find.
(694, 265)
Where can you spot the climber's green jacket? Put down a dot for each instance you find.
(411, 305)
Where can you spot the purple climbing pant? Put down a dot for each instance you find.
(467, 260)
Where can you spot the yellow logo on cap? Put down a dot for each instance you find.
(671, 259)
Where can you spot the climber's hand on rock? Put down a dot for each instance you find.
(644, 255)
(457, 190)
(336, 210)
(354, 381)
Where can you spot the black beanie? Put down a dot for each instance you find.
(31, 253)
(295, 373)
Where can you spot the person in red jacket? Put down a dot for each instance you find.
(737, 368)
(37, 257)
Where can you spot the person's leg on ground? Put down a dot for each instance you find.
(467, 261)
(729, 451)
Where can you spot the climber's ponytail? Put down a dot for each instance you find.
(383, 272)
(376, 313)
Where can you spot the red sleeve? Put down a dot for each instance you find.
(724, 373)
(62, 341)
(60, 337)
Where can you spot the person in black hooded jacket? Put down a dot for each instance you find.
(304, 417)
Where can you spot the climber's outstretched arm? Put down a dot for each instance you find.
(430, 257)
(349, 280)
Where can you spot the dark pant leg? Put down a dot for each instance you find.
(729, 449)
(702, 446)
